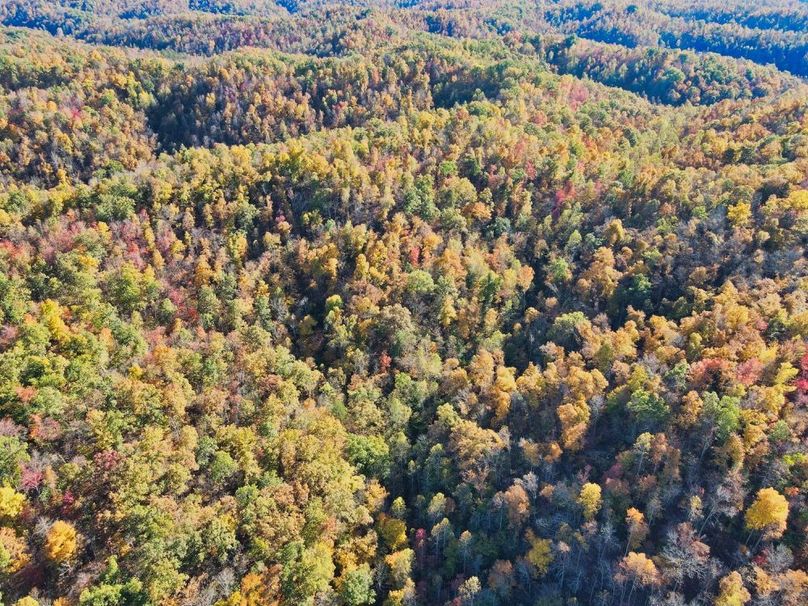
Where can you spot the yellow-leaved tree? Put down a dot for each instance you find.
(540, 554)
(13, 551)
(638, 568)
(11, 502)
(768, 513)
(61, 542)
(732, 591)
(590, 499)
(637, 527)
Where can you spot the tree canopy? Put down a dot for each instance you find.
(403, 303)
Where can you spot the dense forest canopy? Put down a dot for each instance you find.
(462, 303)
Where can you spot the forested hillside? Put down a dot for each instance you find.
(451, 303)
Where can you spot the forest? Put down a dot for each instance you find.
(403, 303)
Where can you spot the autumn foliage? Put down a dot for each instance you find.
(403, 304)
